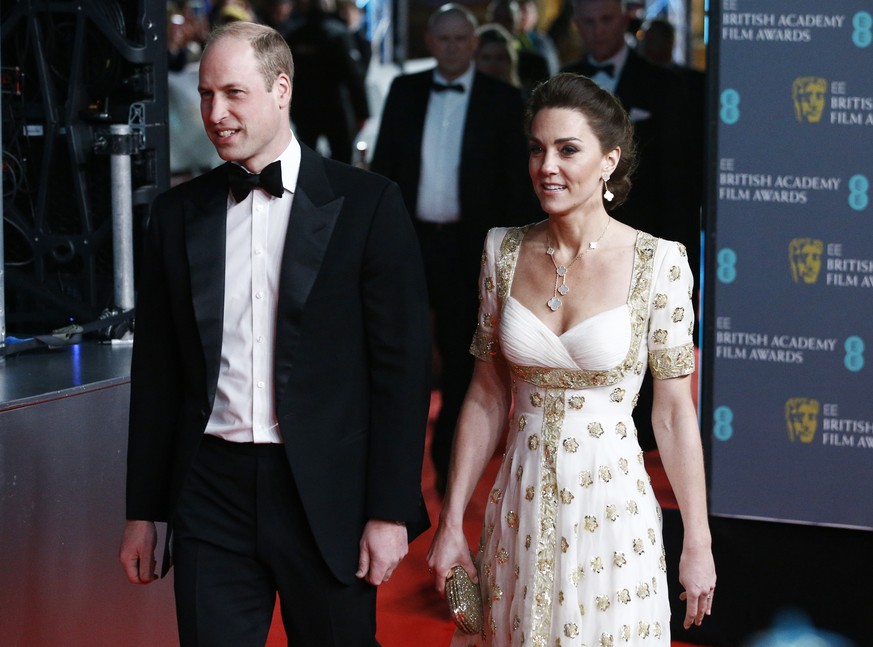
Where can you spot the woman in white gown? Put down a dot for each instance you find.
(573, 310)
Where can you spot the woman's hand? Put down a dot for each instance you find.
(697, 577)
(449, 549)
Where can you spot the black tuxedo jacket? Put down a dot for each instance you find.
(493, 183)
(660, 201)
(351, 356)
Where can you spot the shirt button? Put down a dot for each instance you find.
(259, 208)
(260, 339)
(259, 251)
(261, 385)
(259, 295)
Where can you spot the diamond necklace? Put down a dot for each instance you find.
(561, 286)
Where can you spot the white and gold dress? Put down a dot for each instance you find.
(571, 551)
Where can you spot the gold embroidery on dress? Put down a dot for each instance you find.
(672, 362)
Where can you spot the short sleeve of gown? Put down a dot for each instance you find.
(671, 315)
(486, 345)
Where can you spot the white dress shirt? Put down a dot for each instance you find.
(441, 151)
(602, 78)
(245, 408)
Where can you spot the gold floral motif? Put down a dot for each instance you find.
(643, 629)
(595, 430)
(577, 575)
(605, 474)
(623, 465)
(611, 512)
(641, 459)
(496, 593)
(662, 563)
(657, 630)
(606, 640)
(490, 529)
(527, 542)
(653, 536)
(621, 430)
(625, 632)
(682, 250)
(632, 507)
(567, 496)
(635, 401)
(522, 423)
(659, 336)
(585, 479)
(618, 559)
(678, 314)
(597, 564)
(582, 610)
(591, 523)
(675, 273)
(576, 401)
(643, 590)
(639, 547)
(641, 486)
(502, 556)
(655, 585)
(533, 442)
(617, 395)
(560, 597)
(571, 444)
(485, 344)
(602, 602)
(519, 472)
(495, 495)
(529, 492)
(571, 630)
(536, 399)
(565, 545)
(516, 623)
(672, 362)
(489, 284)
(512, 519)
(660, 300)
(623, 596)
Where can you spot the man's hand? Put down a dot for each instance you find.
(137, 553)
(383, 545)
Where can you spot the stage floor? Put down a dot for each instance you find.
(36, 376)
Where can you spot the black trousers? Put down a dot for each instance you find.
(240, 536)
(454, 305)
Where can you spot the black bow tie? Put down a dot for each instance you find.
(589, 69)
(442, 87)
(242, 182)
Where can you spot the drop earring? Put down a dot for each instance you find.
(609, 195)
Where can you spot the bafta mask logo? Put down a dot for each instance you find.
(808, 93)
(801, 415)
(804, 255)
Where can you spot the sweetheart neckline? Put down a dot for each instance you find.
(571, 328)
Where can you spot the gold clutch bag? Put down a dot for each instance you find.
(465, 601)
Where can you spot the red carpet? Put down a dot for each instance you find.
(410, 613)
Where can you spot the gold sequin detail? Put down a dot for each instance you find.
(678, 314)
(529, 492)
(485, 344)
(623, 465)
(659, 336)
(597, 564)
(533, 442)
(632, 507)
(611, 512)
(585, 479)
(675, 273)
(643, 590)
(519, 472)
(502, 556)
(653, 537)
(639, 547)
(571, 630)
(605, 474)
(672, 362)
(488, 320)
(617, 395)
(621, 430)
(625, 632)
(536, 399)
(571, 444)
(641, 486)
(495, 495)
(623, 596)
(489, 284)
(576, 401)
(595, 430)
(660, 300)
(512, 519)
(602, 602)
(577, 575)
(567, 496)
(606, 640)
(527, 541)
(618, 559)
(565, 545)
(522, 423)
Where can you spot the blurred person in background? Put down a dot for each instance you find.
(496, 55)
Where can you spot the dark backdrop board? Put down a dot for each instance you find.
(70, 70)
(787, 363)
(790, 337)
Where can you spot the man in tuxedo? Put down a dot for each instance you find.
(279, 377)
(453, 139)
(663, 200)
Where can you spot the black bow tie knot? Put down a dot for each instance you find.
(451, 87)
(589, 69)
(242, 182)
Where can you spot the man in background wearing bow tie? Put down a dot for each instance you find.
(664, 199)
(279, 381)
(454, 140)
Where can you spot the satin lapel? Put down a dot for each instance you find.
(477, 112)
(205, 243)
(313, 217)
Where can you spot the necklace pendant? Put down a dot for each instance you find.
(592, 244)
(554, 303)
(563, 289)
(561, 270)
(550, 251)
